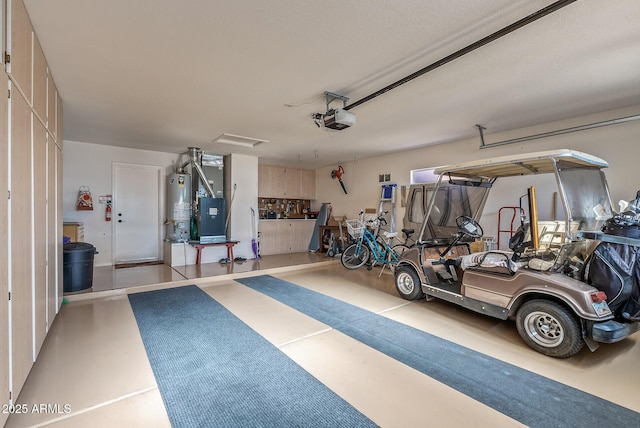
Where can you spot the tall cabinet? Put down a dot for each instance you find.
(31, 214)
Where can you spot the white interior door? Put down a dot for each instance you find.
(137, 212)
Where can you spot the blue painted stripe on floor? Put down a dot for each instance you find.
(532, 399)
(214, 371)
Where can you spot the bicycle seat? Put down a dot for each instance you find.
(408, 232)
(390, 235)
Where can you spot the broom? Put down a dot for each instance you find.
(254, 238)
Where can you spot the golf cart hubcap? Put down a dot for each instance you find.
(544, 329)
(405, 283)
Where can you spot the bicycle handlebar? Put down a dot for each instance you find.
(380, 218)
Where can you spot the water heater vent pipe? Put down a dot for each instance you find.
(195, 154)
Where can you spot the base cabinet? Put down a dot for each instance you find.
(285, 236)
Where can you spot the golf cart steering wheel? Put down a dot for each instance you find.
(469, 226)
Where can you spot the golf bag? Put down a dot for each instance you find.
(615, 269)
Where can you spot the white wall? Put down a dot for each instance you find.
(618, 144)
(91, 165)
(243, 173)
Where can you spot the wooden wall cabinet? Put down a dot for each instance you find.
(285, 236)
(32, 216)
(280, 182)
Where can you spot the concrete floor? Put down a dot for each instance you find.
(94, 362)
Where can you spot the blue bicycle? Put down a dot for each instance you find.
(369, 247)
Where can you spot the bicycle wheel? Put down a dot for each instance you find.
(394, 254)
(355, 255)
(400, 249)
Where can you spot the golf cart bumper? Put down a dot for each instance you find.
(612, 331)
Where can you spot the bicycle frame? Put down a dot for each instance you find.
(369, 248)
(379, 253)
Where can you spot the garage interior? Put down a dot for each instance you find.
(311, 107)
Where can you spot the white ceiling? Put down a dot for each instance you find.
(165, 75)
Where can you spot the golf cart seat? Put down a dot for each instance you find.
(490, 261)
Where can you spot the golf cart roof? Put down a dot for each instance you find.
(523, 164)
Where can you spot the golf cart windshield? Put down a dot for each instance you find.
(587, 197)
(450, 202)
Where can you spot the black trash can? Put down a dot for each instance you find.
(77, 269)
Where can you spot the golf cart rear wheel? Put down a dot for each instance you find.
(549, 328)
(355, 256)
(408, 284)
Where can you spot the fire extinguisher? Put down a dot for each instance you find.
(107, 213)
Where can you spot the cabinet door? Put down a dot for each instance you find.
(19, 47)
(52, 101)
(39, 260)
(21, 238)
(263, 183)
(59, 112)
(52, 232)
(39, 81)
(4, 278)
(308, 184)
(301, 232)
(271, 181)
(292, 183)
(59, 170)
(268, 237)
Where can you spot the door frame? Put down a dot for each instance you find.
(160, 209)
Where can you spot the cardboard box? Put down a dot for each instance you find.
(335, 220)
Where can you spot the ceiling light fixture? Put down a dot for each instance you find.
(238, 140)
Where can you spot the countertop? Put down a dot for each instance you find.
(291, 219)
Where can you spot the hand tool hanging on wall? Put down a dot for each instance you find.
(337, 173)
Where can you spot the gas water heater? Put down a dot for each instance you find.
(178, 207)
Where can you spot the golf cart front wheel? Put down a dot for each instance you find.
(408, 284)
